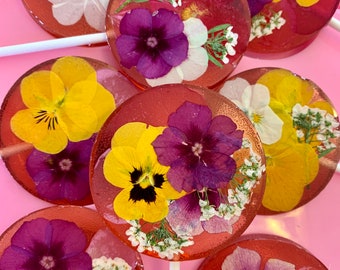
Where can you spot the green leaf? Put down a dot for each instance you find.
(214, 60)
(325, 152)
(218, 28)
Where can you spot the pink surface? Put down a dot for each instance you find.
(316, 226)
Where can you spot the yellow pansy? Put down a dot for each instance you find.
(290, 167)
(302, 3)
(132, 166)
(65, 103)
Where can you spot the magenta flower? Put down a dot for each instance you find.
(187, 208)
(64, 175)
(154, 43)
(198, 148)
(256, 6)
(42, 244)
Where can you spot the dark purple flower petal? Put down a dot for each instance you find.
(134, 21)
(129, 47)
(43, 244)
(184, 215)
(197, 148)
(154, 43)
(64, 175)
(256, 6)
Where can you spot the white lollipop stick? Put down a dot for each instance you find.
(174, 265)
(335, 23)
(52, 44)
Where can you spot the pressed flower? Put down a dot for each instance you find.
(66, 103)
(132, 165)
(198, 148)
(303, 3)
(69, 12)
(47, 245)
(254, 100)
(256, 6)
(274, 264)
(153, 42)
(196, 63)
(242, 258)
(188, 208)
(64, 175)
(290, 167)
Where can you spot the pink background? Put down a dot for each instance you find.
(316, 226)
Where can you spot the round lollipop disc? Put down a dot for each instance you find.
(283, 28)
(217, 33)
(268, 247)
(284, 170)
(153, 107)
(68, 18)
(86, 219)
(110, 78)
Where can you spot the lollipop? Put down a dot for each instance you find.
(67, 237)
(283, 27)
(299, 129)
(159, 42)
(177, 171)
(262, 251)
(49, 119)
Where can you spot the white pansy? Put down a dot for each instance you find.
(196, 63)
(69, 12)
(254, 100)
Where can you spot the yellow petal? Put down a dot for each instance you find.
(306, 3)
(103, 104)
(324, 105)
(128, 134)
(118, 165)
(73, 69)
(24, 126)
(289, 168)
(272, 78)
(42, 88)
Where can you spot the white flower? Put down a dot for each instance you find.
(231, 38)
(104, 263)
(254, 101)
(196, 63)
(69, 12)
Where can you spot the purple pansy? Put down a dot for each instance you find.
(198, 148)
(153, 42)
(64, 175)
(184, 215)
(47, 245)
(256, 6)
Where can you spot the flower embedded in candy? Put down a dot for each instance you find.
(242, 258)
(196, 63)
(302, 3)
(254, 100)
(256, 6)
(152, 42)
(64, 175)
(132, 166)
(69, 12)
(47, 245)
(198, 148)
(63, 104)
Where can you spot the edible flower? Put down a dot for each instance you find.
(132, 166)
(69, 12)
(254, 100)
(198, 148)
(47, 245)
(302, 3)
(153, 42)
(256, 6)
(63, 104)
(64, 175)
(196, 63)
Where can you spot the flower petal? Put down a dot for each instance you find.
(273, 264)
(67, 12)
(152, 66)
(135, 20)
(196, 32)
(73, 69)
(95, 12)
(169, 21)
(195, 65)
(128, 50)
(233, 89)
(175, 75)
(176, 50)
(242, 258)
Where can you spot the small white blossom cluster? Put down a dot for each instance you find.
(231, 38)
(252, 169)
(315, 123)
(176, 3)
(104, 263)
(260, 26)
(167, 247)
